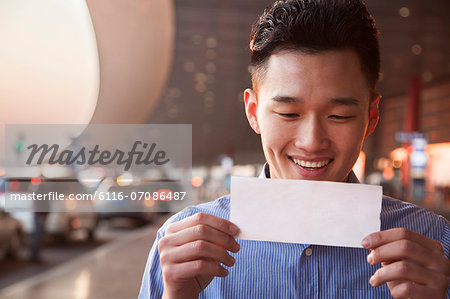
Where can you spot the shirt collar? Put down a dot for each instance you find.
(265, 174)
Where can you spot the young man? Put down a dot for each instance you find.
(314, 101)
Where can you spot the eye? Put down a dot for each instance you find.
(340, 117)
(288, 115)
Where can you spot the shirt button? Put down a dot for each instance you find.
(308, 251)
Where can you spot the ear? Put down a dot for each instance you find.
(251, 105)
(374, 115)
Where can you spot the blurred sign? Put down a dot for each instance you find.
(418, 162)
(439, 164)
(408, 136)
(418, 158)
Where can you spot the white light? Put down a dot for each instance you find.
(49, 63)
(360, 165)
(404, 12)
(91, 177)
(82, 285)
(416, 49)
(211, 42)
(125, 179)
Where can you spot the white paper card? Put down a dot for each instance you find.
(300, 211)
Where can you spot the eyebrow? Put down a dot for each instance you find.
(345, 101)
(336, 101)
(284, 99)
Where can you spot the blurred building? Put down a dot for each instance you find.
(210, 71)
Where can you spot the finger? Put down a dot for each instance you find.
(403, 270)
(408, 250)
(203, 218)
(193, 269)
(202, 232)
(395, 283)
(196, 251)
(380, 238)
(408, 289)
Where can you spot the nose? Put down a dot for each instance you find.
(311, 135)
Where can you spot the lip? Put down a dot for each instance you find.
(311, 173)
(317, 159)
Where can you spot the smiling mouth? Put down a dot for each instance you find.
(311, 165)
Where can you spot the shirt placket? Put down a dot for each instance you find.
(309, 278)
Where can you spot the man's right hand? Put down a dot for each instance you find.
(191, 253)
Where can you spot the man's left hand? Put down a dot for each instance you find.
(413, 265)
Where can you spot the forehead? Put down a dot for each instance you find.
(328, 73)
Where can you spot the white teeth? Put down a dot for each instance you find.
(309, 164)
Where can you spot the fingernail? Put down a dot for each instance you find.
(233, 261)
(370, 258)
(236, 246)
(234, 229)
(365, 243)
(372, 281)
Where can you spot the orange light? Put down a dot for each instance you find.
(71, 205)
(388, 173)
(76, 223)
(14, 185)
(397, 163)
(197, 181)
(36, 181)
(165, 194)
(149, 203)
(399, 154)
(383, 163)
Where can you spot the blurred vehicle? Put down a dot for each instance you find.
(135, 201)
(110, 208)
(61, 224)
(65, 216)
(11, 235)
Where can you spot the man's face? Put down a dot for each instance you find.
(313, 113)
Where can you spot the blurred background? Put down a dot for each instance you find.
(187, 62)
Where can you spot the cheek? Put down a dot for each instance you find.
(269, 137)
(274, 135)
(349, 140)
(349, 146)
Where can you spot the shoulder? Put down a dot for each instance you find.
(219, 208)
(396, 213)
(400, 211)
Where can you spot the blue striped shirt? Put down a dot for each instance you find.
(287, 270)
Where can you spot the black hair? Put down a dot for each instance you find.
(315, 26)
